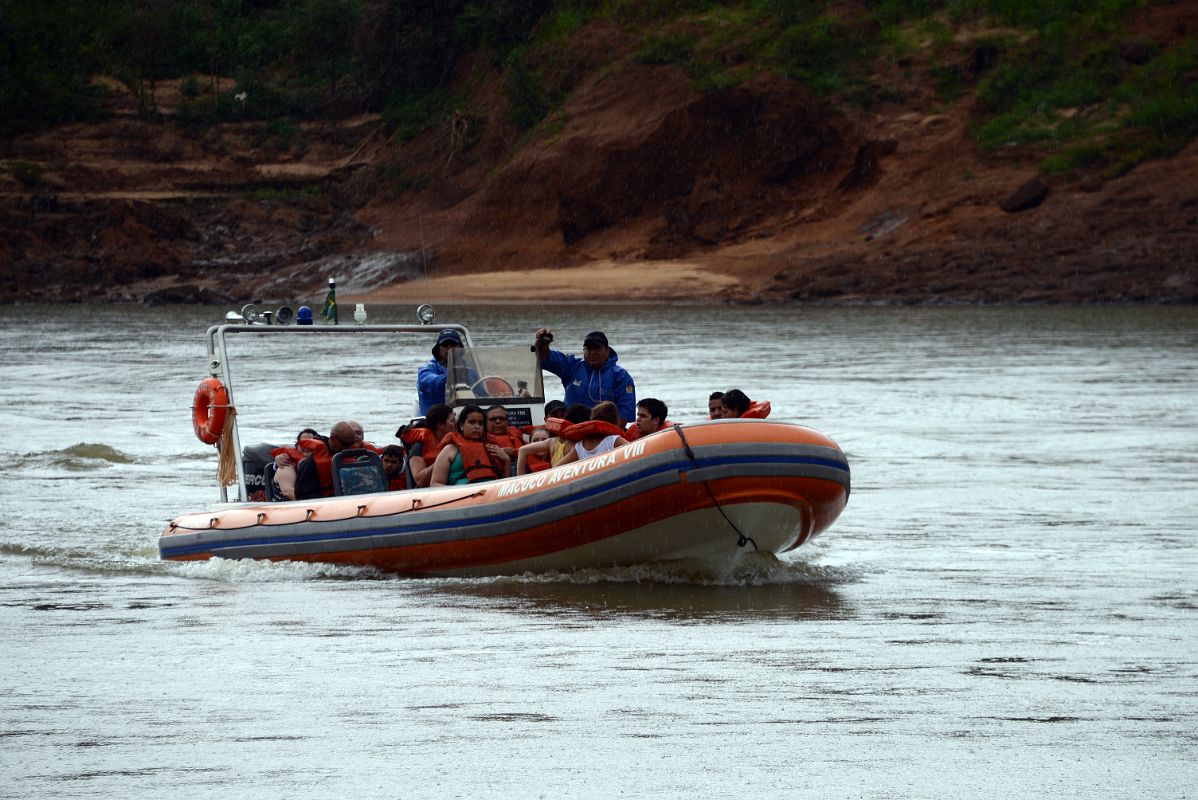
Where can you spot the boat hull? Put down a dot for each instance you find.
(708, 490)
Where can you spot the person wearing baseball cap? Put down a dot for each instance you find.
(593, 378)
(430, 380)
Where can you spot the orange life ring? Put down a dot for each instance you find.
(493, 386)
(209, 409)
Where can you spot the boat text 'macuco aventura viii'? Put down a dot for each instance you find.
(705, 490)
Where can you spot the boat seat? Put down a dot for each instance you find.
(358, 472)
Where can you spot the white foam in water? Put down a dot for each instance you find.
(752, 569)
(252, 571)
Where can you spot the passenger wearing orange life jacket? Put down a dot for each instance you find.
(314, 475)
(509, 439)
(650, 418)
(423, 443)
(601, 434)
(534, 462)
(392, 456)
(556, 449)
(735, 404)
(466, 457)
(286, 459)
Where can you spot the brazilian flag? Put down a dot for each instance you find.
(329, 311)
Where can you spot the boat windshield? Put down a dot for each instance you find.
(488, 376)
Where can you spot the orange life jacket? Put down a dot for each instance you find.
(397, 483)
(594, 427)
(536, 463)
(511, 439)
(633, 432)
(759, 409)
(476, 459)
(423, 436)
(296, 454)
(323, 459)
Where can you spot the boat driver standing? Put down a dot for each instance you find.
(430, 380)
(593, 378)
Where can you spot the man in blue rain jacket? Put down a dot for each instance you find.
(593, 378)
(430, 380)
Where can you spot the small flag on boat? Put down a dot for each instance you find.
(329, 311)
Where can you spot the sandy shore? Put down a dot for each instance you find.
(598, 282)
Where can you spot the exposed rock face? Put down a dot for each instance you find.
(642, 151)
(713, 162)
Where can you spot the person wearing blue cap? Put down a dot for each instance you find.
(430, 380)
(593, 378)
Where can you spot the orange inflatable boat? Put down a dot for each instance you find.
(712, 489)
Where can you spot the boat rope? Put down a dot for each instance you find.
(743, 538)
(226, 465)
(416, 506)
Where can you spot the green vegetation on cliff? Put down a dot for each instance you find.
(1063, 80)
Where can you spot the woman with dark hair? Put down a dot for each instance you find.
(466, 456)
(735, 404)
(286, 459)
(423, 442)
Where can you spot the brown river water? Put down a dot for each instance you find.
(1008, 607)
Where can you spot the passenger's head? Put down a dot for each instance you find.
(392, 459)
(446, 341)
(714, 410)
(472, 423)
(606, 412)
(439, 419)
(577, 413)
(359, 433)
(595, 350)
(341, 437)
(538, 435)
(307, 433)
(497, 420)
(734, 404)
(555, 409)
(650, 414)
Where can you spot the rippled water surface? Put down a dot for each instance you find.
(1007, 607)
